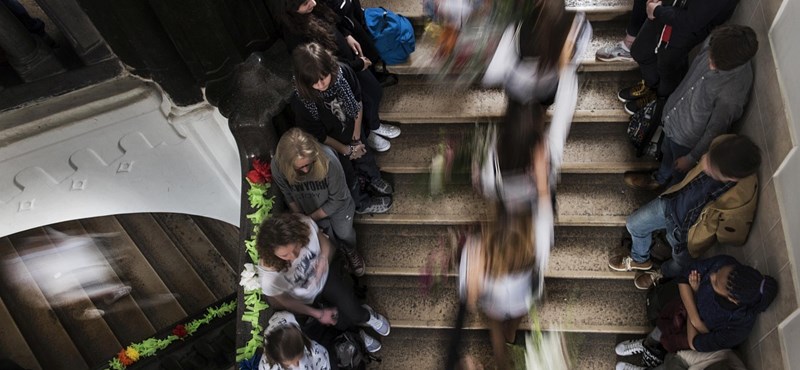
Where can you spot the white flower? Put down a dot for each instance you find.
(249, 278)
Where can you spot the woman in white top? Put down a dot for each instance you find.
(287, 348)
(497, 274)
(294, 257)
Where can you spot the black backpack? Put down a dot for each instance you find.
(646, 135)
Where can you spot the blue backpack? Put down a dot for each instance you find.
(393, 34)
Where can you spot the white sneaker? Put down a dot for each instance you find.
(378, 143)
(91, 314)
(626, 366)
(630, 347)
(371, 344)
(377, 322)
(388, 131)
(614, 53)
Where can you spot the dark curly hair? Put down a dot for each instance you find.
(751, 289)
(318, 26)
(278, 231)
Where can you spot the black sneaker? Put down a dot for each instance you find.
(381, 187)
(376, 205)
(635, 92)
(634, 106)
(355, 261)
(652, 355)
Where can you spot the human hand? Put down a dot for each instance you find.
(367, 63)
(358, 151)
(329, 316)
(354, 45)
(694, 280)
(683, 164)
(651, 7)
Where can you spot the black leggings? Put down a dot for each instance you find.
(340, 295)
(663, 67)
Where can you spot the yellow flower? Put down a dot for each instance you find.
(132, 353)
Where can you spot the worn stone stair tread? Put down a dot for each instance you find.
(13, 343)
(591, 148)
(148, 290)
(582, 200)
(222, 235)
(579, 252)
(34, 316)
(93, 337)
(603, 34)
(426, 349)
(124, 317)
(416, 99)
(172, 267)
(199, 252)
(603, 306)
(596, 10)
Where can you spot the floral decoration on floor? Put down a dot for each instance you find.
(149, 347)
(259, 179)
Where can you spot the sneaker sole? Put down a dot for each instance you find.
(629, 111)
(632, 268)
(613, 59)
(381, 150)
(386, 136)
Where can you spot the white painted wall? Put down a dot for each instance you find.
(786, 52)
(115, 148)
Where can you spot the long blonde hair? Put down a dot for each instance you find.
(296, 144)
(507, 244)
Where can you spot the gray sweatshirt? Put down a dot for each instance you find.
(706, 103)
(330, 194)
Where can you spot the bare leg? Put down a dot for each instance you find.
(499, 344)
(510, 329)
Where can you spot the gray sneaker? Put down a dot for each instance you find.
(371, 344)
(376, 205)
(614, 53)
(378, 143)
(377, 322)
(380, 186)
(387, 130)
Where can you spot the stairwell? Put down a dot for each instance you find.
(582, 296)
(176, 266)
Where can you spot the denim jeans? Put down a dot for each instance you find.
(642, 223)
(670, 152)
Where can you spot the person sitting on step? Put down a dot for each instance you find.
(716, 201)
(306, 21)
(327, 104)
(312, 182)
(672, 29)
(296, 275)
(711, 97)
(724, 359)
(286, 347)
(719, 302)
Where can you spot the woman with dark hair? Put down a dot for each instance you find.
(327, 104)
(719, 302)
(305, 21)
(295, 275)
(286, 347)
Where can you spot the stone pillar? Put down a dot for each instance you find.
(27, 54)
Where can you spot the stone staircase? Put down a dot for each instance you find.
(176, 265)
(582, 296)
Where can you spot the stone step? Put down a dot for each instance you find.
(170, 264)
(582, 200)
(33, 315)
(150, 293)
(604, 33)
(124, 316)
(573, 305)
(596, 10)
(591, 148)
(417, 99)
(222, 235)
(12, 342)
(199, 252)
(427, 349)
(62, 269)
(407, 250)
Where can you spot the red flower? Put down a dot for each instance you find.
(260, 173)
(124, 359)
(179, 331)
